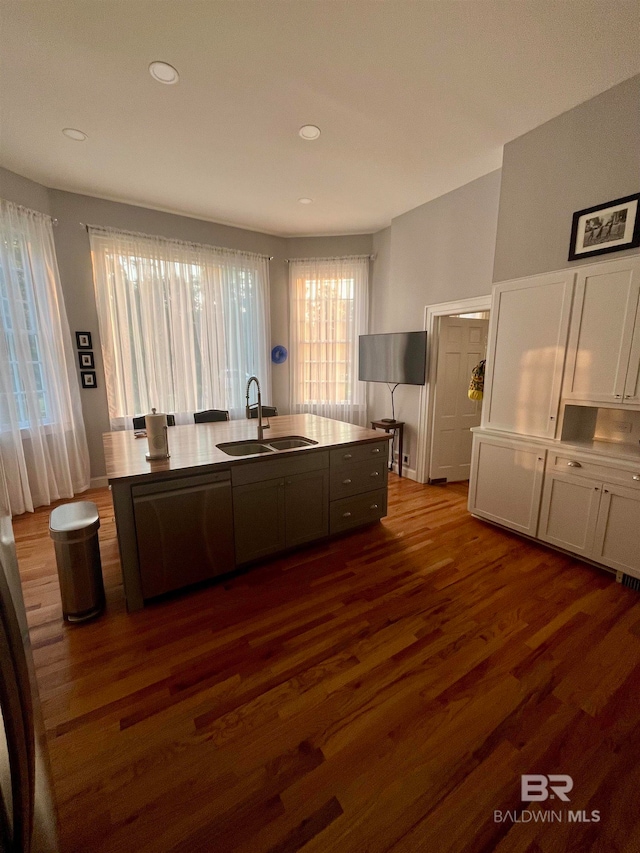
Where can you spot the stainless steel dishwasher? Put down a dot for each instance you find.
(184, 530)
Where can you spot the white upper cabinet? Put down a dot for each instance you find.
(527, 345)
(603, 358)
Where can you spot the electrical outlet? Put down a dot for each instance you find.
(405, 458)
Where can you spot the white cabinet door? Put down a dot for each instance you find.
(569, 512)
(506, 482)
(632, 383)
(617, 539)
(527, 345)
(601, 334)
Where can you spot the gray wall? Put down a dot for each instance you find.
(587, 156)
(438, 252)
(22, 191)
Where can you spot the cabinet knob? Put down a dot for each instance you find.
(618, 395)
(552, 417)
(374, 474)
(373, 506)
(347, 456)
(346, 515)
(346, 482)
(573, 464)
(597, 488)
(288, 482)
(606, 491)
(540, 458)
(628, 396)
(636, 477)
(376, 450)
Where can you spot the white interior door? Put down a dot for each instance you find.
(462, 342)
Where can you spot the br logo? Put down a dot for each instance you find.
(536, 787)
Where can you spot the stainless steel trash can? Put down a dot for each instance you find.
(74, 530)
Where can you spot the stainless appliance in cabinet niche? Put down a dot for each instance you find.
(184, 529)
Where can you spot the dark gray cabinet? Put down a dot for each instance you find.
(258, 519)
(271, 515)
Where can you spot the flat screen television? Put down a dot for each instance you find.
(396, 357)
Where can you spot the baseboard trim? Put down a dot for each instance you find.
(98, 482)
(409, 473)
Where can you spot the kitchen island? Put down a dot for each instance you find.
(202, 512)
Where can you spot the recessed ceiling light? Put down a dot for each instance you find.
(309, 131)
(73, 133)
(164, 73)
(305, 200)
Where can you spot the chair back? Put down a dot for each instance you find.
(267, 411)
(210, 416)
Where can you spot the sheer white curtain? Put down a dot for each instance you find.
(182, 325)
(329, 305)
(42, 435)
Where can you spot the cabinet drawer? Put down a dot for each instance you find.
(358, 510)
(358, 477)
(358, 453)
(581, 466)
(279, 466)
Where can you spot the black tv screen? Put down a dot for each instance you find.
(397, 357)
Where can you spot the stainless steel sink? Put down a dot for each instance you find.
(248, 447)
(288, 442)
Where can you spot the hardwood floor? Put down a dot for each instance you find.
(382, 692)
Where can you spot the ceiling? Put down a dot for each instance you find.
(413, 99)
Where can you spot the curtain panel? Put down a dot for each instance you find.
(182, 325)
(329, 307)
(42, 435)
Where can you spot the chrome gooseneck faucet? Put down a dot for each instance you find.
(248, 410)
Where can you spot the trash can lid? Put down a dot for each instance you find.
(74, 516)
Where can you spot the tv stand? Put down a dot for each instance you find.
(389, 425)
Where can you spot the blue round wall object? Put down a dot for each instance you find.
(279, 354)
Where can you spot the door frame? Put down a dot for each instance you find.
(432, 313)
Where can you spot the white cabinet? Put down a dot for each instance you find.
(569, 512)
(617, 539)
(525, 361)
(603, 358)
(586, 513)
(506, 482)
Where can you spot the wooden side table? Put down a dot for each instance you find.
(392, 426)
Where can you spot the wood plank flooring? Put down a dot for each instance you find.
(382, 692)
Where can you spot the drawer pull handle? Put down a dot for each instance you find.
(346, 515)
(373, 506)
(618, 395)
(376, 450)
(628, 396)
(347, 456)
(374, 474)
(636, 477)
(573, 464)
(346, 482)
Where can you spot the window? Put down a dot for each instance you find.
(18, 315)
(43, 446)
(182, 326)
(329, 303)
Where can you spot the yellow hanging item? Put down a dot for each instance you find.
(476, 386)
